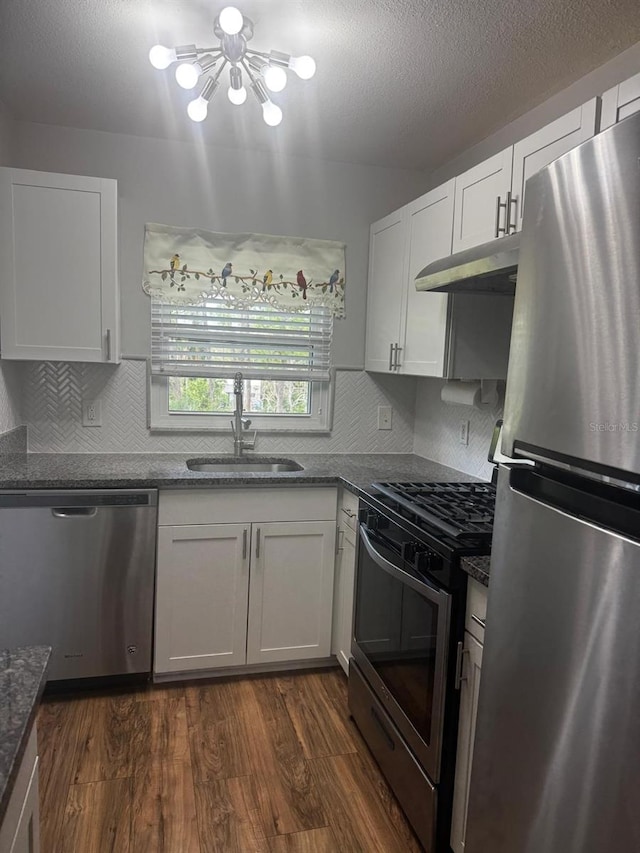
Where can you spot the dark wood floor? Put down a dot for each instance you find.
(257, 765)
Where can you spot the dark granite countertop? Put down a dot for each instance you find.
(22, 680)
(168, 470)
(478, 568)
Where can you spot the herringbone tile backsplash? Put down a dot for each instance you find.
(10, 395)
(54, 392)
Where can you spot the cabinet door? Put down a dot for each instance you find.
(343, 599)
(291, 594)
(430, 224)
(385, 290)
(466, 735)
(58, 242)
(476, 215)
(620, 102)
(201, 596)
(546, 145)
(20, 824)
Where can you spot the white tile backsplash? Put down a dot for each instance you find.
(53, 395)
(10, 395)
(436, 431)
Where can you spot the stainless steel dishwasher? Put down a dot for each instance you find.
(77, 573)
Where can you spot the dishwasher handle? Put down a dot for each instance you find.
(74, 511)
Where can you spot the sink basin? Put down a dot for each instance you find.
(244, 465)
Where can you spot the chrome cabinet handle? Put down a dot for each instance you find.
(499, 206)
(396, 361)
(244, 544)
(257, 543)
(108, 344)
(512, 202)
(460, 653)
(481, 622)
(391, 348)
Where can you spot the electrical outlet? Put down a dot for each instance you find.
(92, 413)
(384, 417)
(463, 437)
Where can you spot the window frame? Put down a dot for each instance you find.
(319, 420)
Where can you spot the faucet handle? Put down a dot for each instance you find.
(246, 423)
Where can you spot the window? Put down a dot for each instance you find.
(283, 356)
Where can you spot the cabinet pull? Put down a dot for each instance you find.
(499, 206)
(257, 543)
(108, 344)
(460, 653)
(391, 349)
(396, 362)
(348, 512)
(244, 544)
(512, 202)
(481, 622)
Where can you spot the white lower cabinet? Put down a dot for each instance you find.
(469, 692)
(258, 591)
(291, 593)
(20, 830)
(201, 596)
(345, 579)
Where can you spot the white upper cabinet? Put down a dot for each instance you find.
(430, 221)
(59, 280)
(490, 196)
(620, 102)
(543, 147)
(385, 292)
(481, 201)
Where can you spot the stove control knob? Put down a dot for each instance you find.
(435, 563)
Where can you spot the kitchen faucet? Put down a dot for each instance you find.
(239, 424)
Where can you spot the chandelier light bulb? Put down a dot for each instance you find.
(304, 66)
(187, 75)
(275, 78)
(231, 20)
(161, 57)
(271, 113)
(197, 109)
(237, 96)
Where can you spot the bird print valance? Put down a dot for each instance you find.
(190, 265)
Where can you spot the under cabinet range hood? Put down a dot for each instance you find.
(489, 268)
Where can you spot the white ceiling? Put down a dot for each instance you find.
(407, 83)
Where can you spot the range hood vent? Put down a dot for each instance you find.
(490, 268)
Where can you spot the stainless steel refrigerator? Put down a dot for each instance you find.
(556, 765)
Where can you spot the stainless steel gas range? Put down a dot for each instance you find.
(410, 598)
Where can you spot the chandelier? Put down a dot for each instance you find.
(265, 71)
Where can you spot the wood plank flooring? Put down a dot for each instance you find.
(254, 765)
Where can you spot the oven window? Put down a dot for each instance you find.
(397, 629)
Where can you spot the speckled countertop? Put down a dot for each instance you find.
(478, 568)
(22, 680)
(169, 470)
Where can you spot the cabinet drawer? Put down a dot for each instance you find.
(477, 595)
(226, 506)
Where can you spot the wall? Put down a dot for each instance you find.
(53, 409)
(437, 427)
(225, 189)
(620, 68)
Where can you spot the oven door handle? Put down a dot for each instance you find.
(437, 596)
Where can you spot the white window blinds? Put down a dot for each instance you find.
(216, 339)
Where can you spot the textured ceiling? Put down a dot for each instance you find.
(407, 83)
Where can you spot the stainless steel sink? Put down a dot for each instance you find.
(250, 466)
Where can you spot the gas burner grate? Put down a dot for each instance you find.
(463, 511)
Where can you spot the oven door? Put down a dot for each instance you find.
(401, 626)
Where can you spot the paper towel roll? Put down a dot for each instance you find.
(459, 393)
